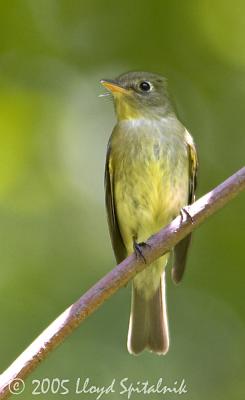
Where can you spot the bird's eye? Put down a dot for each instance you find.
(145, 86)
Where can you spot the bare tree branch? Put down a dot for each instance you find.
(159, 243)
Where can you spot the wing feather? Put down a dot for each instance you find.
(181, 249)
(116, 238)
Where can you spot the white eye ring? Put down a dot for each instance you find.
(145, 86)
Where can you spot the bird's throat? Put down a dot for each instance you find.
(126, 110)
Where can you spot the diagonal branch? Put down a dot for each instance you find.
(160, 243)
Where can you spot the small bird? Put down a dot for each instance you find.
(150, 175)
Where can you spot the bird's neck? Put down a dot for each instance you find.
(126, 111)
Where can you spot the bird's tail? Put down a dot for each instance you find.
(148, 325)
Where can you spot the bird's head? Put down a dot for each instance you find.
(139, 95)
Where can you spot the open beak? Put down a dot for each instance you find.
(113, 86)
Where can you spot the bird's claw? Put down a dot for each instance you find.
(138, 250)
(185, 213)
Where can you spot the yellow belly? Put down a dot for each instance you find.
(147, 200)
(150, 172)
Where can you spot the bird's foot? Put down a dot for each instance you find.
(138, 249)
(185, 213)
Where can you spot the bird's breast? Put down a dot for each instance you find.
(150, 169)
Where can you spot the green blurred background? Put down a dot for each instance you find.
(54, 242)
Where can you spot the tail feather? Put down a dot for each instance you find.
(148, 325)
